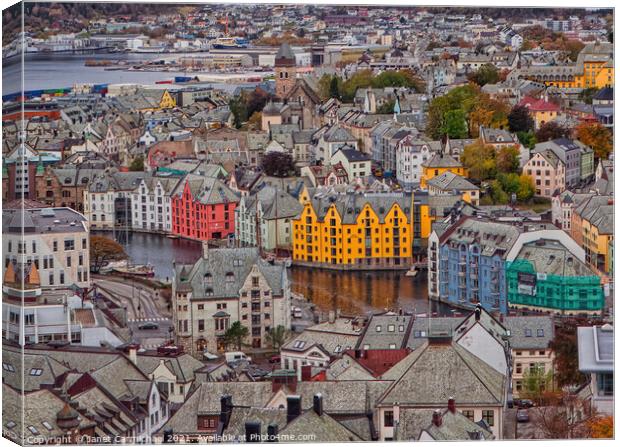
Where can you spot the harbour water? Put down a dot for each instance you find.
(351, 292)
(59, 70)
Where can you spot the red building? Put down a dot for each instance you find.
(203, 208)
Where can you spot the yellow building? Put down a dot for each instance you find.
(593, 223)
(155, 100)
(439, 164)
(358, 230)
(594, 68)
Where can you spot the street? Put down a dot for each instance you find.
(143, 306)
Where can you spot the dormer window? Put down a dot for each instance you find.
(208, 279)
(230, 277)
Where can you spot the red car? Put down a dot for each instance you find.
(274, 359)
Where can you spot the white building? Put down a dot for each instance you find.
(355, 163)
(596, 358)
(151, 204)
(410, 155)
(225, 286)
(54, 240)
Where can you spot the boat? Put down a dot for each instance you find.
(136, 270)
(413, 272)
(222, 43)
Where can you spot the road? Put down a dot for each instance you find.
(143, 305)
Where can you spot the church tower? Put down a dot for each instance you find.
(285, 70)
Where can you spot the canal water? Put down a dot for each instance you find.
(351, 292)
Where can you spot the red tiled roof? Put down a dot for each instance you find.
(539, 105)
(378, 361)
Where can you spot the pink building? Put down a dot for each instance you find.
(548, 172)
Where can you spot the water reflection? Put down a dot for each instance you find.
(351, 292)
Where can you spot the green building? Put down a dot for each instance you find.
(546, 276)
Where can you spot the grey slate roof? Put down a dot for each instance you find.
(229, 268)
(383, 338)
(450, 181)
(437, 372)
(535, 332)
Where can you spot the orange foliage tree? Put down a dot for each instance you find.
(602, 427)
(597, 136)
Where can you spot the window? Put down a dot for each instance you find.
(201, 307)
(469, 414)
(488, 416)
(391, 328)
(69, 244)
(388, 418)
(33, 430)
(528, 332)
(36, 372)
(201, 325)
(605, 384)
(8, 367)
(337, 349)
(299, 344)
(392, 346)
(378, 328)
(540, 332)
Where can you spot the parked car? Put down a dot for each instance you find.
(235, 356)
(148, 326)
(524, 403)
(297, 313)
(523, 415)
(274, 359)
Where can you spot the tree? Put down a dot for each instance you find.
(455, 124)
(276, 337)
(569, 418)
(487, 74)
(104, 250)
(387, 107)
(137, 164)
(479, 159)
(255, 121)
(520, 120)
(566, 361)
(526, 188)
(508, 159)
(602, 427)
(535, 383)
(334, 87)
(587, 94)
(597, 136)
(527, 139)
(551, 131)
(235, 335)
(278, 164)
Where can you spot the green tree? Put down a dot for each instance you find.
(235, 335)
(463, 98)
(566, 360)
(508, 159)
(137, 164)
(277, 336)
(386, 107)
(334, 87)
(497, 193)
(587, 94)
(509, 182)
(455, 124)
(487, 74)
(535, 383)
(527, 139)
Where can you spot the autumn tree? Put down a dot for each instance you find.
(601, 427)
(551, 131)
(566, 363)
(137, 164)
(104, 250)
(508, 159)
(526, 188)
(569, 418)
(520, 120)
(597, 136)
(479, 159)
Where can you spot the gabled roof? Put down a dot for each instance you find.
(449, 181)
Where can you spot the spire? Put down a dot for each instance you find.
(33, 277)
(9, 274)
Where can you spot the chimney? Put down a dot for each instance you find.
(205, 250)
(437, 418)
(317, 404)
(478, 311)
(272, 433)
(252, 432)
(132, 353)
(451, 405)
(293, 407)
(225, 409)
(332, 316)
